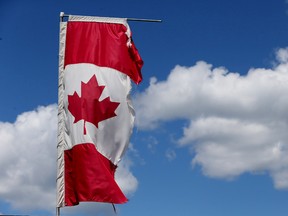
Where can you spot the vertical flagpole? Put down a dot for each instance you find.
(57, 211)
(61, 20)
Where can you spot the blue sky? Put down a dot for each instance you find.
(211, 113)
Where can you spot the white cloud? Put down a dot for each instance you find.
(170, 154)
(28, 162)
(237, 123)
(282, 55)
(152, 143)
(89, 208)
(125, 179)
(27, 159)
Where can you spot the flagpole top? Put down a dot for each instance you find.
(62, 14)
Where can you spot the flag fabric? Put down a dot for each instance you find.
(97, 61)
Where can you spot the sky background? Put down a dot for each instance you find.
(211, 133)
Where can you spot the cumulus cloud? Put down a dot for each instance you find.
(170, 154)
(125, 179)
(238, 123)
(28, 163)
(282, 55)
(27, 159)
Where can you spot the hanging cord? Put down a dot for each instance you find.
(114, 208)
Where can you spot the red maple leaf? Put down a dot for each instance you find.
(88, 107)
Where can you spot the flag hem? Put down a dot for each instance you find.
(61, 123)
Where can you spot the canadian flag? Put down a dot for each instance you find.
(97, 60)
